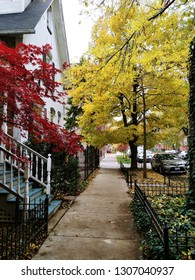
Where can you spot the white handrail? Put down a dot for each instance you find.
(34, 166)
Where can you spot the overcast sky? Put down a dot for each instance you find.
(78, 34)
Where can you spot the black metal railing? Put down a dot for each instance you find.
(157, 188)
(128, 175)
(180, 244)
(171, 179)
(167, 186)
(89, 160)
(150, 211)
(177, 244)
(16, 238)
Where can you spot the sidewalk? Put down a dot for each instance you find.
(98, 226)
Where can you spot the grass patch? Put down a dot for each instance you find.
(123, 158)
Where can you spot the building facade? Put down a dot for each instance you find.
(37, 22)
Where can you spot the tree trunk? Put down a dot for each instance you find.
(133, 148)
(132, 145)
(134, 121)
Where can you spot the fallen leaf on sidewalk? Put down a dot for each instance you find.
(111, 222)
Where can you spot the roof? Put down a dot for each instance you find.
(25, 22)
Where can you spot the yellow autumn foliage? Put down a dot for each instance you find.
(128, 51)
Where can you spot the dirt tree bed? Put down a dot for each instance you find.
(153, 176)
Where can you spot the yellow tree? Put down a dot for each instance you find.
(134, 77)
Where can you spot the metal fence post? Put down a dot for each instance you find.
(17, 211)
(131, 181)
(193, 255)
(127, 176)
(46, 205)
(166, 242)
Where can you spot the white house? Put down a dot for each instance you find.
(37, 22)
(13, 6)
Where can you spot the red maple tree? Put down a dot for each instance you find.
(25, 82)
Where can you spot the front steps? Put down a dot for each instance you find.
(36, 196)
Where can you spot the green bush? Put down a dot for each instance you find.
(151, 245)
(143, 221)
(170, 210)
(65, 175)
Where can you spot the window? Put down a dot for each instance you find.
(47, 58)
(9, 40)
(52, 114)
(45, 113)
(59, 117)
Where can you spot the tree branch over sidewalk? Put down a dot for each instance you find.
(166, 5)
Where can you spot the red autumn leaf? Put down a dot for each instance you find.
(25, 81)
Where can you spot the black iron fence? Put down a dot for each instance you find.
(167, 186)
(89, 161)
(16, 238)
(177, 244)
(171, 179)
(180, 244)
(157, 188)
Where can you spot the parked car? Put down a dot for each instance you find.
(171, 151)
(109, 150)
(129, 153)
(168, 163)
(183, 154)
(140, 156)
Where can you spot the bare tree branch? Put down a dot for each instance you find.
(121, 48)
(102, 2)
(161, 11)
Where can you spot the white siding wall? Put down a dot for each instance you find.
(41, 37)
(13, 6)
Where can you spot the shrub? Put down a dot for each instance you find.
(152, 247)
(171, 210)
(65, 175)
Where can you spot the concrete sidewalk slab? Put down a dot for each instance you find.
(99, 225)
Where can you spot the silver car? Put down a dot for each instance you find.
(168, 163)
(140, 156)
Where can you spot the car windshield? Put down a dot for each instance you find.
(168, 156)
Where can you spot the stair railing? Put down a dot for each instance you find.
(23, 160)
(7, 178)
